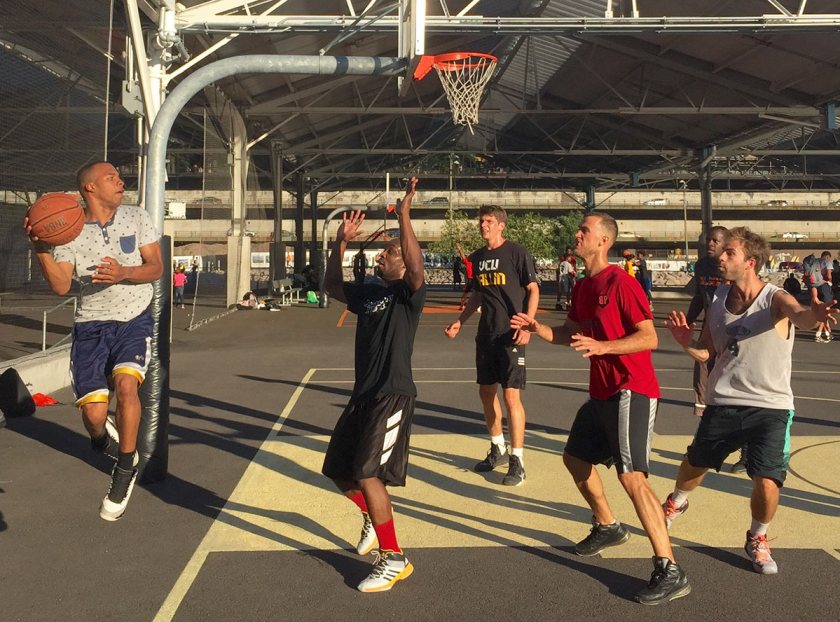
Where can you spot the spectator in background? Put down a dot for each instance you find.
(468, 271)
(179, 281)
(629, 264)
(565, 283)
(643, 276)
(792, 285)
(457, 264)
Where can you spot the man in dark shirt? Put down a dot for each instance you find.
(369, 447)
(706, 279)
(504, 284)
(643, 276)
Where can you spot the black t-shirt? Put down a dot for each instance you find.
(706, 279)
(500, 275)
(388, 315)
(642, 273)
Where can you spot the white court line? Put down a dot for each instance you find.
(191, 570)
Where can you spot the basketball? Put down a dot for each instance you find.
(56, 218)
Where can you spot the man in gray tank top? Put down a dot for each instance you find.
(749, 330)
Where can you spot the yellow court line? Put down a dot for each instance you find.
(193, 567)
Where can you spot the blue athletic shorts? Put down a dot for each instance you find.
(101, 350)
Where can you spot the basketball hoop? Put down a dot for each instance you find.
(464, 76)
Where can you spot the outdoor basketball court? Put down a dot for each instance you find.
(245, 526)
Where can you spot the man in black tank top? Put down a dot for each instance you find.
(369, 447)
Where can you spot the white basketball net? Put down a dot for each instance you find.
(463, 82)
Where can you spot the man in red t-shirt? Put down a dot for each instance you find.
(611, 324)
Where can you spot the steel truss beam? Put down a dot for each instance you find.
(197, 21)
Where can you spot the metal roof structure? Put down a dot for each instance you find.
(599, 94)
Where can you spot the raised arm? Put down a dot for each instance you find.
(785, 305)
(347, 231)
(410, 247)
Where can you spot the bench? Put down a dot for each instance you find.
(285, 290)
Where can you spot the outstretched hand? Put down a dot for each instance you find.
(825, 313)
(680, 329)
(350, 226)
(404, 205)
(523, 322)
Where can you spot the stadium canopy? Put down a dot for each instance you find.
(587, 94)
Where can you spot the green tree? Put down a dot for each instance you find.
(545, 236)
(458, 229)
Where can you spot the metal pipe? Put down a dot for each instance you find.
(192, 84)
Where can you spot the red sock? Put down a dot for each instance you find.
(359, 499)
(387, 537)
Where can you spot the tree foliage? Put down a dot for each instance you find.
(546, 237)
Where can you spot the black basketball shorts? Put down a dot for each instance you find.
(499, 361)
(725, 429)
(371, 440)
(617, 431)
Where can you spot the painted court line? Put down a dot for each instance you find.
(542, 517)
(193, 567)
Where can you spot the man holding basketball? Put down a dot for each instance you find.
(369, 447)
(115, 258)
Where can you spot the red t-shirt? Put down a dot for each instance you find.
(608, 306)
(468, 268)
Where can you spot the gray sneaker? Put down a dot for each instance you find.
(495, 457)
(516, 472)
(601, 537)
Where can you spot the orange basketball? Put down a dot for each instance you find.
(56, 218)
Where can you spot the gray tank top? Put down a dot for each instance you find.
(753, 362)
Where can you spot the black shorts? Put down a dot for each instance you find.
(371, 440)
(724, 429)
(499, 361)
(616, 431)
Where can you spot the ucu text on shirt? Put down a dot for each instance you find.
(487, 273)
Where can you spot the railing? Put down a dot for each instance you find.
(44, 326)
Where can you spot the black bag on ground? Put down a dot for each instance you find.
(15, 399)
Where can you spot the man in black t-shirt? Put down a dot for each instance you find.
(643, 276)
(504, 284)
(706, 280)
(369, 446)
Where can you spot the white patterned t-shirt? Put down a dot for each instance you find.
(120, 238)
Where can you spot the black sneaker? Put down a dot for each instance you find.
(494, 458)
(601, 537)
(741, 465)
(111, 448)
(668, 582)
(114, 504)
(516, 472)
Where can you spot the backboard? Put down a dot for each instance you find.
(412, 38)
